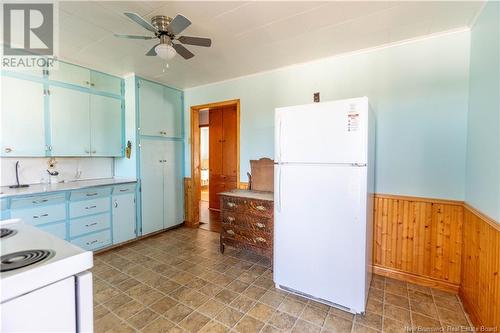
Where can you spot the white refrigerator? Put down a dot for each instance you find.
(324, 183)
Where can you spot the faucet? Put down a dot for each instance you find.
(17, 178)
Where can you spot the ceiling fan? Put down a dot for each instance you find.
(166, 30)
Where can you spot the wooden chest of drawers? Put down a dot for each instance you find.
(247, 221)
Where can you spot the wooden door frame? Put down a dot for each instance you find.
(195, 153)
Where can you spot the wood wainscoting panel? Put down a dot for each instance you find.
(480, 285)
(419, 240)
(188, 203)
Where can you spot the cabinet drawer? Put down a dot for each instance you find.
(94, 241)
(90, 193)
(88, 224)
(248, 206)
(36, 201)
(123, 189)
(252, 237)
(247, 221)
(87, 207)
(40, 215)
(56, 229)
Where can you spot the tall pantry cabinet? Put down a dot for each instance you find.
(160, 154)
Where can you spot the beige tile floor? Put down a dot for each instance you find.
(178, 281)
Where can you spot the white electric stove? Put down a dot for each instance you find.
(44, 282)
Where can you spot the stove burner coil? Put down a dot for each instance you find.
(22, 259)
(7, 232)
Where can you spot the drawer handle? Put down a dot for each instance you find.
(230, 219)
(40, 201)
(231, 204)
(93, 242)
(90, 207)
(260, 225)
(43, 215)
(91, 194)
(261, 208)
(230, 232)
(91, 224)
(124, 190)
(260, 239)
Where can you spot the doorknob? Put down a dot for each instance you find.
(116, 204)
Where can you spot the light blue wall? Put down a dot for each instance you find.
(418, 90)
(483, 140)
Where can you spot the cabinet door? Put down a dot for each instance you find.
(69, 122)
(105, 126)
(23, 129)
(123, 217)
(152, 109)
(152, 154)
(173, 187)
(229, 142)
(215, 141)
(107, 83)
(71, 74)
(173, 112)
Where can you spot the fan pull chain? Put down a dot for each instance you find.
(165, 67)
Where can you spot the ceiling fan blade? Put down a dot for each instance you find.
(178, 24)
(182, 51)
(133, 36)
(139, 20)
(152, 51)
(198, 41)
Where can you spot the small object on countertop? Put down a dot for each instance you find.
(53, 176)
(128, 150)
(17, 178)
(249, 180)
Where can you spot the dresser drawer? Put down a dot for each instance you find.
(94, 241)
(40, 215)
(87, 207)
(246, 221)
(56, 229)
(36, 201)
(248, 206)
(84, 225)
(123, 189)
(252, 237)
(90, 193)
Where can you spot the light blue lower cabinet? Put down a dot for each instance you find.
(94, 241)
(56, 229)
(88, 224)
(123, 214)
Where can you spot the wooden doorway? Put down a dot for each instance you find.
(221, 179)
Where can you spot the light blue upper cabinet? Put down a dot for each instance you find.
(69, 122)
(174, 206)
(106, 126)
(173, 109)
(72, 74)
(106, 83)
(23, 130)
(160, 110)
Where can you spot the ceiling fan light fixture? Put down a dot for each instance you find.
(165, 51)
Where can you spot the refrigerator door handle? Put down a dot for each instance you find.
(279, 189)
(279, 140)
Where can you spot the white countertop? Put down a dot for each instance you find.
(6, 192)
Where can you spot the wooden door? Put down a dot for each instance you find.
(222, 152)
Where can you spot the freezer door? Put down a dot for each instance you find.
(319, 232)
(331, 132)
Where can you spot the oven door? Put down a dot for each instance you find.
(48, 309)
(84, 303)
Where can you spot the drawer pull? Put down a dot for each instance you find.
(230, 232)
(260, 225)
(230, 219)
(93, 242)
(124, 190)
(261, 208)
(90, 207)
(91, 194)
(231, 204)
(43, 215)
(91, 224)
(260, 239)
(40, 201)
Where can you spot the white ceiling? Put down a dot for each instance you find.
(247, 37)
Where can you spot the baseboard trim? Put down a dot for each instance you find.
(417, 279)
(470, 310)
